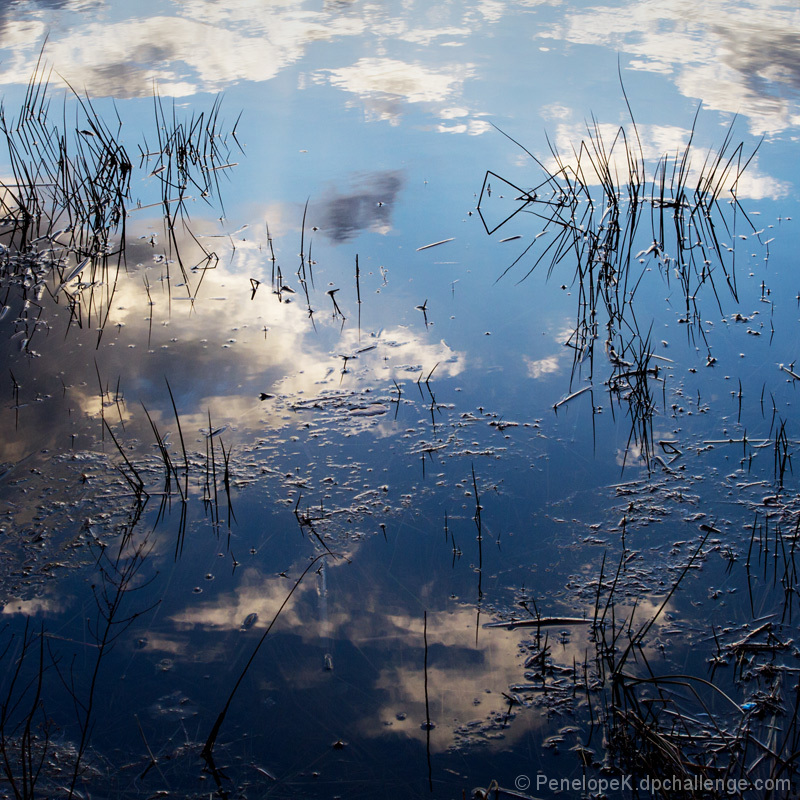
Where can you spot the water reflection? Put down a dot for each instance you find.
(466, 663)
(261, 343)
(367, 207)
(203, 48)
(736, 57)
(656, 141)
(382, 415)
(384, 85)
(543, 366)
(35, 605)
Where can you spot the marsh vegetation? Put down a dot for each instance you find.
(267, 532)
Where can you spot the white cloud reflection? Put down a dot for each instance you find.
(259, 343)
(735, 57)
(542, 366)
(659, 141)
(390, 79)
(465, 677)
(738, 58)
(205, 46)
(468, 668)
(35, 605)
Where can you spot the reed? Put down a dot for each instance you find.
(649, 727)
(33, 765)
(596, 208)
(22, 714)
(64, 208)
(208, 747)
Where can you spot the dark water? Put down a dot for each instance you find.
(330, 393)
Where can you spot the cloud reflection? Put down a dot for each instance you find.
(658, 141)
(459, 688)
(738, 58)
(390, 79)
(35, 605)
(735, 57)
(367, 208)
(205, 46)
(258, 344)
(469, 668)
(541, 366)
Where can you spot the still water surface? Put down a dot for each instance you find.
(328, 385)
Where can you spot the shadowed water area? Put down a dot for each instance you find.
(398, 399)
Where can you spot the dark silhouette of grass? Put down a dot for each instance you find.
(596, 208)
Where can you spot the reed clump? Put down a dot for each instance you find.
(65, 204)
(612, 216)
(699, 736)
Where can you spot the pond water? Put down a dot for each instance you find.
(399, 399)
